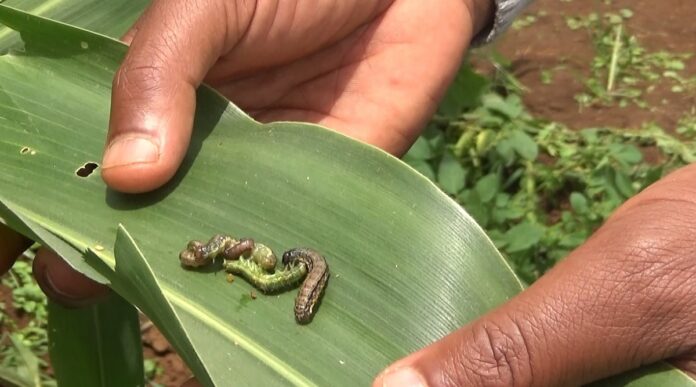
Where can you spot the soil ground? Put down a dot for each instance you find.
(173, 370)
(548, 44)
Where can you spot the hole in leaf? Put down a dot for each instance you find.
(87, 169)
(25, 150)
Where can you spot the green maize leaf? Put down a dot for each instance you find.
(661, 374)
(112, 17)
(408, 264)
(87, 344)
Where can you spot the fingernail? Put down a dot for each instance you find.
(403, 377)
(130, 150)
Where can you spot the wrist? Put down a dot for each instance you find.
(482, 14)
(492, 17)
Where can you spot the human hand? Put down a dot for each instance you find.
(373, 69)
(625, 298)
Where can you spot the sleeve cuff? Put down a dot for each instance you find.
(505, 13)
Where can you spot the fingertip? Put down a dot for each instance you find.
(133, 163)
(149, 132)
(400, 375)
(63, 284)
(12, 245)
(407, 371)
(147, 139)
(136, 178)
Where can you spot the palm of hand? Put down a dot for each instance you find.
(373, 71)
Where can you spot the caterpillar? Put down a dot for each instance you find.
(261, 254)
(263, 280)
(313, 286)
(244, 247)
(198, 254)
(257, 264)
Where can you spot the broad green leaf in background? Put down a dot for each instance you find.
(488, 187)
(625, 153)
(408, 264)
(420, 150)
(82, 336)
(418, 158)
(579, 202)
(524, 145)
(450, 174)
(523, 236)
(510, 107)
(465, 92)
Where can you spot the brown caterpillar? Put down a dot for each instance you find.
(314, 284)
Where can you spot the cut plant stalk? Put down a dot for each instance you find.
(613, 67)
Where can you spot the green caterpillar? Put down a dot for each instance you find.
(257, 264)
(266, 282)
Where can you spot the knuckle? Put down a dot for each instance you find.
(156, 49)
(135, 77)
(655, 259)
(497, 355)
(646, 266)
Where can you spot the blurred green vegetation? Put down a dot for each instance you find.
(538, 188)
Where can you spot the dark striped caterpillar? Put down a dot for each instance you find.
(313, 286)
(257, 264)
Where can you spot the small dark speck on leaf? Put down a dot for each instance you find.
(252, 294)
(86, 169)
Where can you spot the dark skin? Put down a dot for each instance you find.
(375, 70)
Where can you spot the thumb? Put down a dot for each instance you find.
(508, 347)
(154, 91)
(527, 342)
(622, 300)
